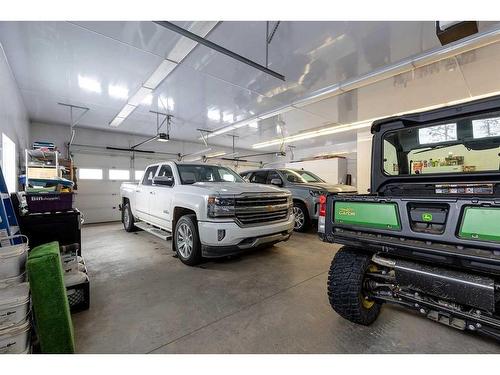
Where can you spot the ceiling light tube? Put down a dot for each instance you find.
(116, 122)
(216, 154)
(313, 134)
(139, 96)
(126, 111)
(161, 72)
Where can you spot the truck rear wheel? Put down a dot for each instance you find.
(128, 218)
(187, 241)
(346, 286)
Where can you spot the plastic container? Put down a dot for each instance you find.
(12, 260)
(15, 339)
(49, 202)
(14, 304)
(78, 291)
(13, 280)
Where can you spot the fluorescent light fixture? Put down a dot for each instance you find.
(160, 73)
(201, 152)
(118, 92)
(139, 96)
(314, 134)
(126, 111)
(116, 121)
(196, 158)
(216, 154)
(89, 84)
(254, 125)
(181, 49)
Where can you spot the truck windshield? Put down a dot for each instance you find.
(192, 173)
(459, 146)
(300, 177)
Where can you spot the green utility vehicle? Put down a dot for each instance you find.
(428, 235)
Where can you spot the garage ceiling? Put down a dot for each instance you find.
(210, 90)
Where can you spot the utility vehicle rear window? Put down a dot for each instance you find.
(460, 146)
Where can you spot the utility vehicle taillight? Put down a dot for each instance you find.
(322, 205)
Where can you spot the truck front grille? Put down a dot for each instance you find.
(254, 210)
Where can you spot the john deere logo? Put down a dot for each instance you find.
(347, 212)
(427, 217)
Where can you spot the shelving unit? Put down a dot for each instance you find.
(42, 164)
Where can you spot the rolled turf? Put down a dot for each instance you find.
(50, 302)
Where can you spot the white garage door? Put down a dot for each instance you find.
(99, 180)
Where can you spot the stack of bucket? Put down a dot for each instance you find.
(15, 322)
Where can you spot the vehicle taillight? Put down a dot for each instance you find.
(322, 205)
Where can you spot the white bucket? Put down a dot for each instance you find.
(13, 280)
(14, 304)
(15, 339)
(12, 260)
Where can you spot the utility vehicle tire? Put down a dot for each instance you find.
(345, 286)
(187, 241)
(302, 221)
(128, 218)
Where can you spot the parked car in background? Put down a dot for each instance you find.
(305, 186)
(210, 211)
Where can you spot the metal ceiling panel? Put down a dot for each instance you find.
(70, 62)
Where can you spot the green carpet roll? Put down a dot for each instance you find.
(50, 303)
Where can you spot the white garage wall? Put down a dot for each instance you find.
(99, 199)
(346, 150)
(14, 122)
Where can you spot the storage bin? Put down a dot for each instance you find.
(14, 304)
(15, 339)
(78, 291)
(13, 280)
(12, 260)
(49, 202)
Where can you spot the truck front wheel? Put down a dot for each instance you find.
(187, 241)
(128, 218)
(346, 280)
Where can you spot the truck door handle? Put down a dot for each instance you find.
(137, 191)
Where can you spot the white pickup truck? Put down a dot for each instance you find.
(210, 210)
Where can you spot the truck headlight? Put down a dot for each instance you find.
(220, 207)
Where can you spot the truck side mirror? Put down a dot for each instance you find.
(163, 180)
(277, 182)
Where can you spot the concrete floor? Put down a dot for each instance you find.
(271, 301)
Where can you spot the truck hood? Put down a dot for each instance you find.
(331, 188)
(237, 188)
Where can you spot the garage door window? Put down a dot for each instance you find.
(90, 174)
(119, 174)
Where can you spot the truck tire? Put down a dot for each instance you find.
(128, 218)
(187, 241)
(302, 221)
(345, 286)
